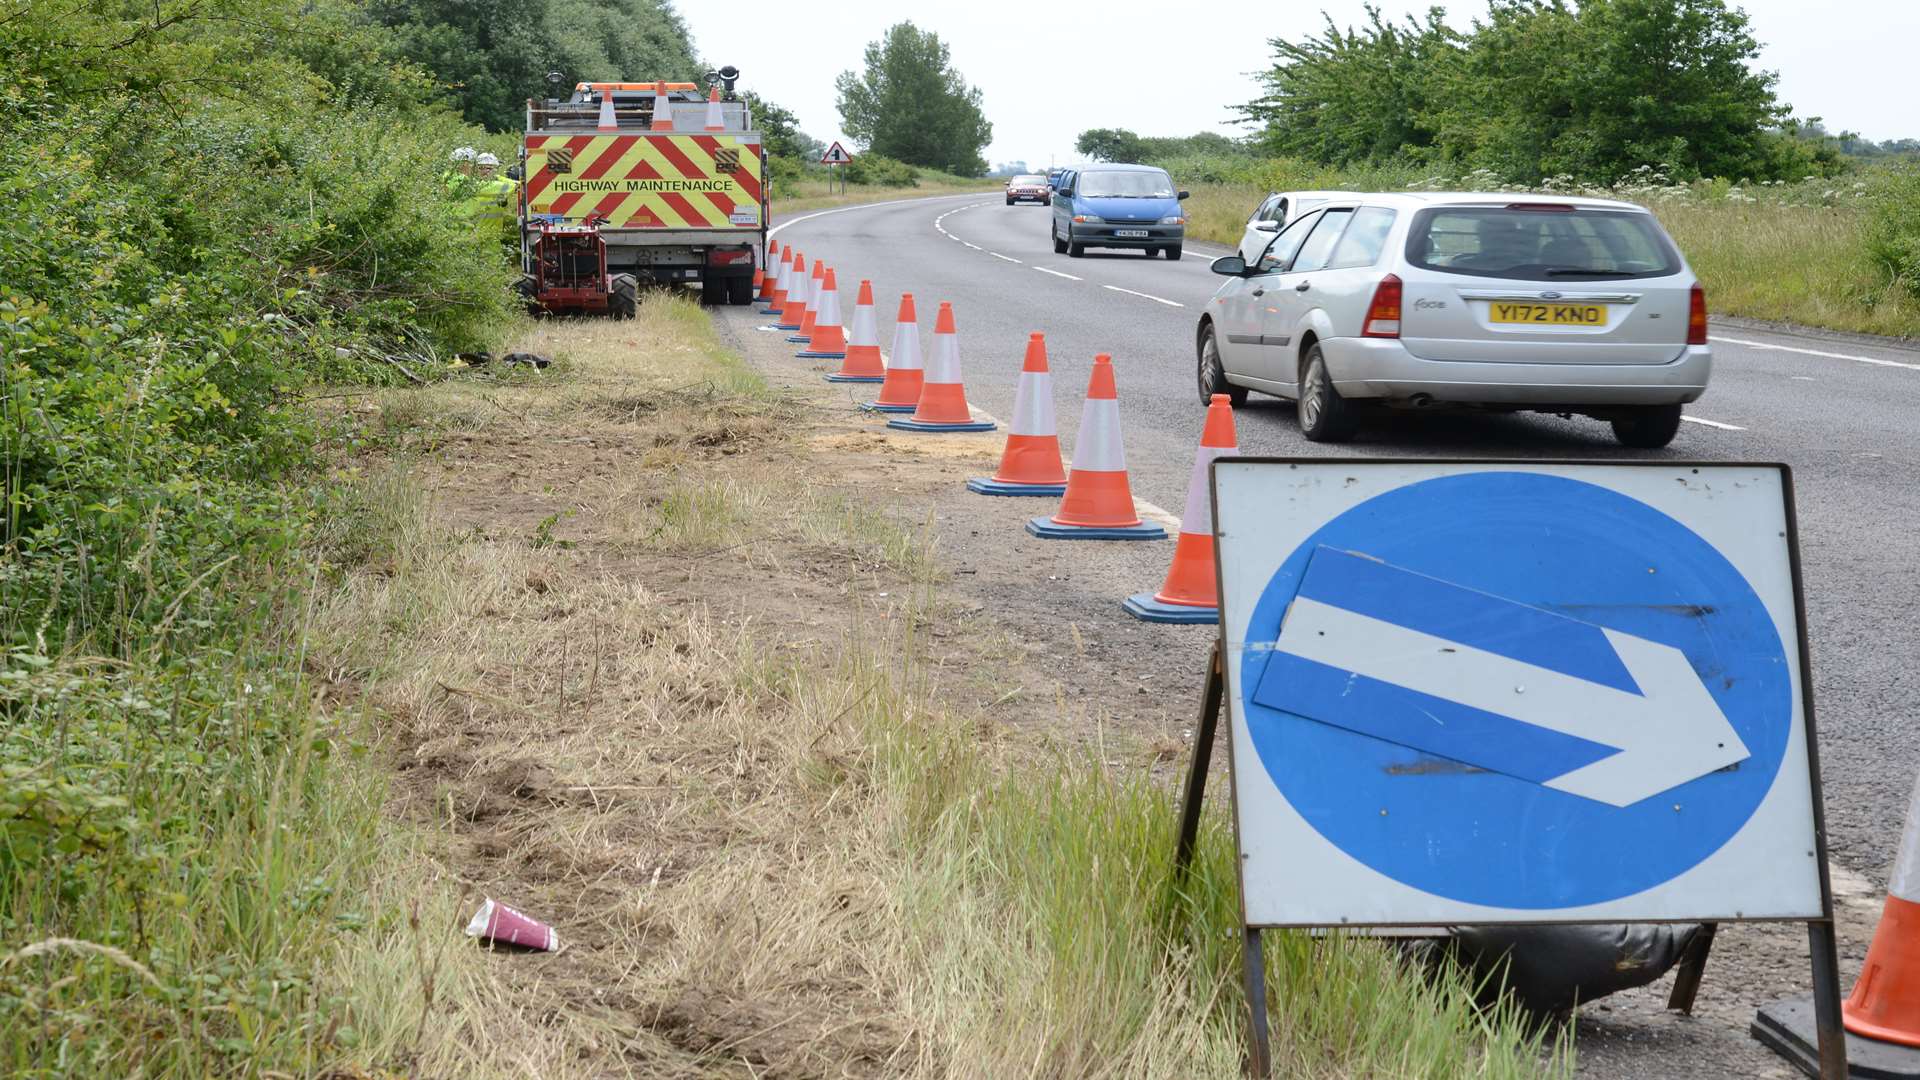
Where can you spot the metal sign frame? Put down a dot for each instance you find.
(1823, 950)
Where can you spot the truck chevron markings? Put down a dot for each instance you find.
(645, 181)
(1463, 675)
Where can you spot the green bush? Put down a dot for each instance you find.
(1893, 226)
(878, 170)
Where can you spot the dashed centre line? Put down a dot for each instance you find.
(1146, 296)
(1009, 258)
(1704, 422)
(1057, 273)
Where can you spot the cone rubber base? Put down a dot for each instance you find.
(1046, 529)
(800, 339)
(986, 485)
(1786, 1028)
(834, 376)
(781, 326)
(874, 406)
(811, 355)
(1144, 607)
(910, 424)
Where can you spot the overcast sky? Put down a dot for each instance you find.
(1048, 71)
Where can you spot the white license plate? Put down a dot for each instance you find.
(1130, 232)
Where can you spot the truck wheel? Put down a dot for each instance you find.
(624, 301)
(739, 291)
(1648, 427)
(713, 291)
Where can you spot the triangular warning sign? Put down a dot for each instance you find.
(835, 155)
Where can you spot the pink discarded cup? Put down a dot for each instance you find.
(499, 923)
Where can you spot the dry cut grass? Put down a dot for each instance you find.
(669, 692)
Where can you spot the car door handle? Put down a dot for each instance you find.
(1260, 291)
(1303, 286)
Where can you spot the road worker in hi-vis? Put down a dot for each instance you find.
(461, 173)
(495, 198)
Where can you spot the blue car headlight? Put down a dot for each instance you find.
(1173, 219)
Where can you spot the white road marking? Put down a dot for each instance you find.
(1712, 423)
(1057, 273)
(771, 233)
(1151, 512)
(1009, 258)
(1803, 378)
(1146, 296)
(974, 246)
(1876, 361)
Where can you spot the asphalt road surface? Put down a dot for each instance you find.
(1843, 413)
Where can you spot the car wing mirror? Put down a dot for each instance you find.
(1185, 194)
(1229, 266)
(515, 172)
(1267, 226)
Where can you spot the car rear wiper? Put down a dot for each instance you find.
(1575, 271)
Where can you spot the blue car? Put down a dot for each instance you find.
(1118, 206)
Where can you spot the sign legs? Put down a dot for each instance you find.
(1825, 954)
(1259, 1046)
(1693, 964)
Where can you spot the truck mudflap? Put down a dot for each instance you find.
(645, 181)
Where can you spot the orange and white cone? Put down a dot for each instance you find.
(1191, 593)
(662, 108)
(1098, 504)
(1885, 1003)
(900, 390)
(810, 311)
(863, 363)
(777, 278)
(1030, 465)
(716, 120)
(770, 278)
(608, 121)
(827, 341)
(943, 398)
(793, 309)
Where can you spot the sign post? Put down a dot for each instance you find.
(1498, 692)
(836, 156)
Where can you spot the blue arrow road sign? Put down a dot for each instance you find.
(1516, 689)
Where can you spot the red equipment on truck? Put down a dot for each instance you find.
(652, 180)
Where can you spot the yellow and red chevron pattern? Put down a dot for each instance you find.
(645, 181)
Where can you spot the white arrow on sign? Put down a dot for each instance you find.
(1670, 733)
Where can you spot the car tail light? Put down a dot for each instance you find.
(1697, 317)
(1383, 315)
(1542, 207)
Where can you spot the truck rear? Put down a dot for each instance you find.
(671, 180)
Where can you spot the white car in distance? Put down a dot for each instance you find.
(1279, 208)
(1498, 301)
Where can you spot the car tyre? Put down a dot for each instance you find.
(1074, 251)
(1213, 372)
(1174, 253)
(1325, 416)
(1059, 245)
(1009, 200)
(623, 302)
(1647, 427)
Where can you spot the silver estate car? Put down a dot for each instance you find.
(1503, 302)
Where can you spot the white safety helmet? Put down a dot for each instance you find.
(465, 153)
(487, 159)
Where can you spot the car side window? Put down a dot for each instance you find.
(1277, 213)
(1365, 238)
(1264, 213)
(1280, 252)
(1326, 233)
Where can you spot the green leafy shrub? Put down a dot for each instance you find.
(878, 170)
(1893, 226)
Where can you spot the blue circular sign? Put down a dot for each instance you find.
(1488, 837)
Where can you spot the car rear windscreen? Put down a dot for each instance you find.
(1540, 243)
(1123, 185)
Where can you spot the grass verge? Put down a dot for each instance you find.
(804, 195)
(644, 675)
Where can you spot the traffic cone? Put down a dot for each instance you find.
(716, 120)
(608, 122)
(777, 293)
(1191, 593)
(863, 363)
(796, 302)
(943, 400)
(1885, 1003)
(662, 108)
(1031, 463)
(828, 341)
(900, 390)
(811, 310)
(1098, 504)
(765, 282)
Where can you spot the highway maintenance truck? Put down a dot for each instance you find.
(626, 182)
